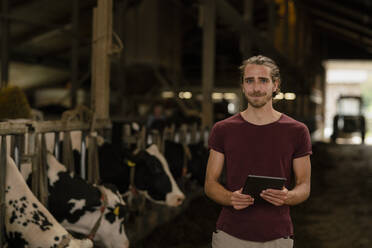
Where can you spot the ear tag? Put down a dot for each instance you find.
(116, 211)
(130, 163)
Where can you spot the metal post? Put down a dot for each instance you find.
(3, 165)
(208, 64)
(83, 149)
(57, 146)
(74, 52)
(4, 44)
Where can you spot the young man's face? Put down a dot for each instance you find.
(257, 85)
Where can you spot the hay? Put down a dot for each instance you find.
(13, 103)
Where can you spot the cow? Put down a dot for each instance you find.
(80, 206)
(175, 155)
(27, 222)
(197, 165)
(187, 160)
(152, 176)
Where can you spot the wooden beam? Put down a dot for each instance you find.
(358, 39)
(272, 20)
(245, 40)
(11, 128)
(344, 11)
(4, 45)
(333, 18)
(8, 128)
(208, 66)
(102, 40)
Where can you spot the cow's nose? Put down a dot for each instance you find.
(174, 200)
(126, 244)
(179, 199)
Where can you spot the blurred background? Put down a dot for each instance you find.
(184, 55)
(146, 60)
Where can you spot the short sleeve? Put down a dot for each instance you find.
(303, 145)
(215, 140)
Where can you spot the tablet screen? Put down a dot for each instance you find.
(255, 184)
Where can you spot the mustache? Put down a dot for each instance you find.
(257, 94)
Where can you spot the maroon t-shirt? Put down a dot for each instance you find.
(266, 150)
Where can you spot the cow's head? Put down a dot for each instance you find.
(79, 205)
(112, 226)
(152, 176)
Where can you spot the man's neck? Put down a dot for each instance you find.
(260, 116)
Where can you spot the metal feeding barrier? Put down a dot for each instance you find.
(24, 140)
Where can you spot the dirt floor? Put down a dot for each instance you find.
(337, 215)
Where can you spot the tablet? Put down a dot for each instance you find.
(255, 184)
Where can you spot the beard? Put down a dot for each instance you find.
(258, 102)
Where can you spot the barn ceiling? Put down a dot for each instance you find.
(41, 34)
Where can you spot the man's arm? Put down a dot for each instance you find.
(301, 191)
(302, 172)
(214, 190)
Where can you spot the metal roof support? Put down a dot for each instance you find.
(4, 44)
(208, 60)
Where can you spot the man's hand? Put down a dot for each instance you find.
(240, 201)
(275, 196)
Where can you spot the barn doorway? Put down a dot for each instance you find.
(346, 81)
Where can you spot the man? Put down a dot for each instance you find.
(257, 141)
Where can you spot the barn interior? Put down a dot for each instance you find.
(121, 58)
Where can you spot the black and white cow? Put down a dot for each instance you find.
(27, 222)
(196, 160)
(78, 206)
(152, 176)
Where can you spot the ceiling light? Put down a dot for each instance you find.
(167, 94)
(279, 96)
(289, 96)
(217, 96)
